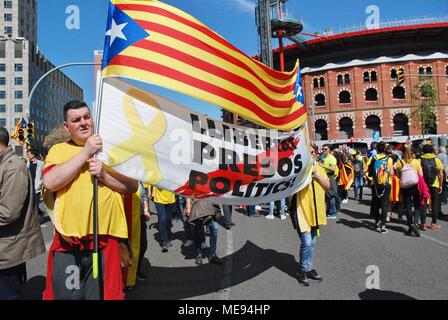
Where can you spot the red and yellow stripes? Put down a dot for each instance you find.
(346, 175)
(184, 55)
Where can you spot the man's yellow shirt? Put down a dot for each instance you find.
(72, 210)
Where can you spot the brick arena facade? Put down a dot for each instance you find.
(351, 81)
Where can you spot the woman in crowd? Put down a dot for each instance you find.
(408, 170)
(310, 213)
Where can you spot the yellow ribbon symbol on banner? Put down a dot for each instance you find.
(143, 138)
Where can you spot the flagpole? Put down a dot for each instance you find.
(314, 162)
(95, 260)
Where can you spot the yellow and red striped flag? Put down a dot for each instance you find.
(156, 43)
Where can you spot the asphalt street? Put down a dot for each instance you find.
(261, 261)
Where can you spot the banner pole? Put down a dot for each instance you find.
(95, 260)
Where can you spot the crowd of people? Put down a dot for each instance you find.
(414, 179)
(409, 179)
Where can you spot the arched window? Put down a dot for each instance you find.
(399, 93)
(344, 97)
(401, 127)
(322, 82)
(321, 128)
(347, 79)
(373, 76)
(421, 72)
(345, 128)
(319, 100)
(446, 70)
(373, 126)
(371, 94)
(366, 76)
(315, 83)
(340, 80)
(428, 70)
(393, 74)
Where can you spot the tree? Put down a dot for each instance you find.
(426, 108)
(57, 135)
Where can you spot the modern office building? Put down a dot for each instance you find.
(21, 65)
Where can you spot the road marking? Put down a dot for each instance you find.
(225, 291)
(435, 240)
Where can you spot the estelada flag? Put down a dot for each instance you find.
(20, 125)
(156, 43)
(395, 189)
(346, 175)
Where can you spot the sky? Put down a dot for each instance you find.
(232, 19)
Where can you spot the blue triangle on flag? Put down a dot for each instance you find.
(298, 90)
(122, 32)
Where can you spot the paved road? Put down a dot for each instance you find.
(261, 262)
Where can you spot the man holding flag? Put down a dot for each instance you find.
(68, 172)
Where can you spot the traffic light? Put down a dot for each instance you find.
(21, 136)
(400, 78)
(30, 131)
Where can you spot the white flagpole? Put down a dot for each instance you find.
(98, 105)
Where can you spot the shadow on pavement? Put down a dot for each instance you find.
(187, 282)
(374, 294)
(354, 224)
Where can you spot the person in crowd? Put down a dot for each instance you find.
(184, 217)
(67, 178)
(251, 211)
(433, 176)
(358, 167)
(443, 157)
(165, 202)
(307, 214)
(20, 234)
(372, 151)
(202, 214)
(272, 205)
(36, 167)
(329, 163)
(394, 196)
(380, 168)
(408, 171)
(227, 210)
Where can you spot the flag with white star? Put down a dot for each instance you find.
(122, 32)
(155, 43)
(298, 89)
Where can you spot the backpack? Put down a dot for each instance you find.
(380, 170)
(429, 171)
(409, 176)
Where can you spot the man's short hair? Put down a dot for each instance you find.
(327, 146)
(381, 147)
(427, 148)
(4, 136)
(33, 151)
(74, 104)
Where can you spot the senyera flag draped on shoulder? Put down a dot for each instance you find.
(169, 146)
(156, 43)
